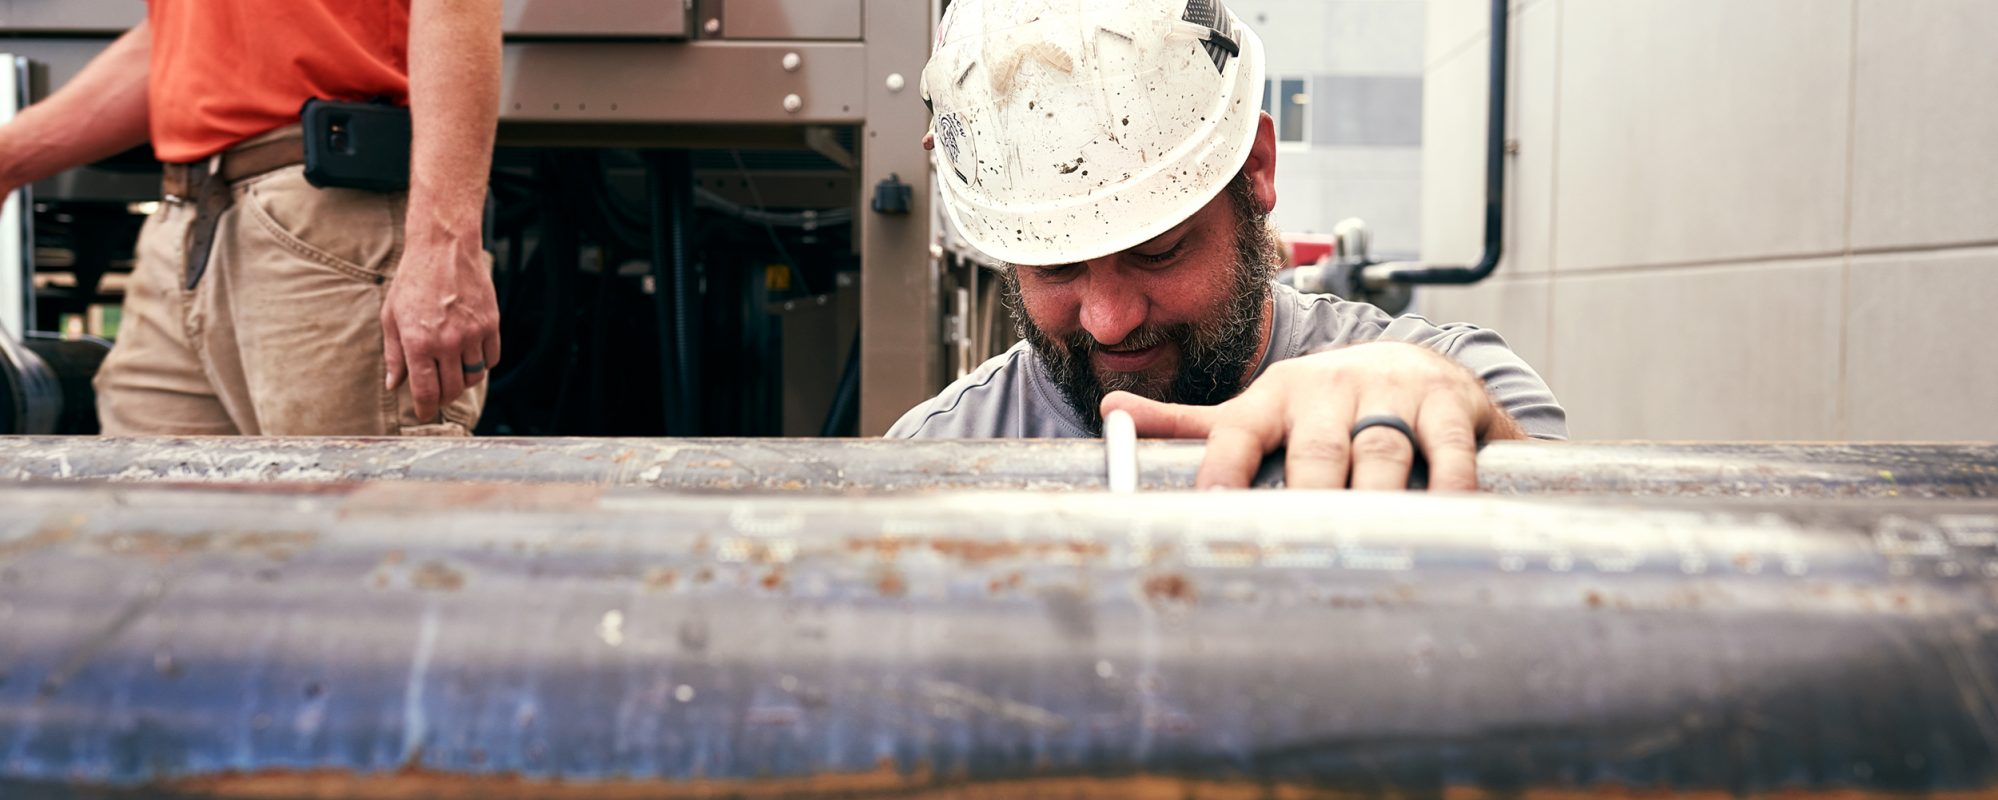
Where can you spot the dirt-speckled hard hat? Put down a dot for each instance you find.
(1072, 129)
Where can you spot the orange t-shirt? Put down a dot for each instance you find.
(226, 70)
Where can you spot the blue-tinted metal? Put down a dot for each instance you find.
(396, 640)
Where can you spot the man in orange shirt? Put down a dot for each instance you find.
(259, 302)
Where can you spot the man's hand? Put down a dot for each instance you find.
(1308, 406)
(440, 321)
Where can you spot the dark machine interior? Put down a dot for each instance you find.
(642, 292)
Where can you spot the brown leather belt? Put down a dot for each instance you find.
(247, 161)
(206, 184)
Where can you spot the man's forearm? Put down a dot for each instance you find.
(99, 113)
(454, 79)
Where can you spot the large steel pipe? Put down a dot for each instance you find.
(451, 640)
(873, 465)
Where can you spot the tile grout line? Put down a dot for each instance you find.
(1751, 260)
(1517, 9)
(1842, 403)
(1452, 52)
(1554, 183)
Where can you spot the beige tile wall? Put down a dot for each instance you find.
(1736, 352)
(1925, 162)
(1701, 130)
(1453, 26)
(1921, 355)
(1453, 107)
(1734, 219)
(1530, 116)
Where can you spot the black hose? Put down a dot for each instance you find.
(666, 186)
(682, 175)
(843, 419)
(507, 272)
(599, 348)
(776, 242)
(555, 256)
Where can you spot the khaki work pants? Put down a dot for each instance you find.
(282, 336)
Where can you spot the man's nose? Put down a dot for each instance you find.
(1112, 305)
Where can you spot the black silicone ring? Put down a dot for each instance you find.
(1384, 421)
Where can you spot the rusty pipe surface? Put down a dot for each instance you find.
(467, 640)
(875, 465)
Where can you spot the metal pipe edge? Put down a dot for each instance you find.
(1807, 470)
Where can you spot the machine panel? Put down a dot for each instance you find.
(80, 16)
(790, 19)
(697, 82)
(598, 18)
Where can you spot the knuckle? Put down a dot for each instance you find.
(1454, 437)
(1317, 449)
(1376, 444)
(1446, 377)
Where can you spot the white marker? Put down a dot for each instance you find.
(1120, 443)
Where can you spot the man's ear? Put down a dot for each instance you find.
(1261, 166)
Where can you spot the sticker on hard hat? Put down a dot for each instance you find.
(952, 137)
(1221, 40)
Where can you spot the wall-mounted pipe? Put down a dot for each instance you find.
(1384, 274)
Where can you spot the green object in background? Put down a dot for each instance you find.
(104, 319)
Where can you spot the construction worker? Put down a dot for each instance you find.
(1115, 154)
(260, 302)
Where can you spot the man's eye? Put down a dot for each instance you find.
(1055, 272)
(1161, 258)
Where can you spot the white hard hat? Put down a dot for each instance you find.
(1072, 129)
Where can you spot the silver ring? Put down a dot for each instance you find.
(1383, 421)
(474, 369)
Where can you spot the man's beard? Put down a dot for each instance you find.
(1214, 354)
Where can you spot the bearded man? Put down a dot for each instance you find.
(1115, 156)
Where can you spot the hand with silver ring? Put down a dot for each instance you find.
(1363, 416)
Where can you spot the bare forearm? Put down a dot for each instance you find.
(454, 79)
(99, 113)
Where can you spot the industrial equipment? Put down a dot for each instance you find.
(686, 231)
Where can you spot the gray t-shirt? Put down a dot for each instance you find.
(1011, 395)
